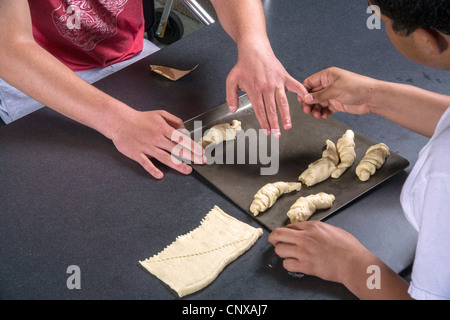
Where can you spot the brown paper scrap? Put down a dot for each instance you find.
(171, 73)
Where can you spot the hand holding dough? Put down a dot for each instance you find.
(346, 150)
(373, 160)
(269, 194)
(221, 132)
(304, 207)
(321, 169)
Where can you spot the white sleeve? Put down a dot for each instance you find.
(431, 269)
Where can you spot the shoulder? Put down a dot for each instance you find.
(439, 145)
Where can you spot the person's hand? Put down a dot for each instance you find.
(155, 134)
(318, 249)
(335, 90)
(261, 75)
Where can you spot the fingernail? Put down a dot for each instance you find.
(187, 169)
(288, 125)
(233, 108)
(266, 132)
(309, 98)
(276, 132)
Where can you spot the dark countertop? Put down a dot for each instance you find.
(67, 197)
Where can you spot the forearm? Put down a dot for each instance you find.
(370, 279)
(31, 69)
(244, 22)
(34, 71)
(411, 107)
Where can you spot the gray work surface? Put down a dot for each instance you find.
(67, 197)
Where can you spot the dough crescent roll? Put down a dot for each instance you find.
(196, 259)
(321, 169)
(346, 151)
(304, 207)
(220, 133)
(374, 158)
(269, 194)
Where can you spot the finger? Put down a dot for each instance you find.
(186, 142)
(293, 265)
(177, 150)
(321, 79)
(317, 89)
(232, 89)
(179, 137)
(260, 112)
(272, 114)
(167, 159)
(293, 85)
(304, 226)
(313, 82)
(172, 120)
(322, 95)
(316, 112)
(145, 162)
(283, 235)
(285, 250)
(306, 108)
(283, 106)
(325, 113)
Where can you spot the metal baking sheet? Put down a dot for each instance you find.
(296, 149)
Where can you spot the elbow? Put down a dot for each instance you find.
(12, 50)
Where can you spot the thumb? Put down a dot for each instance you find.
(232, 94)
(323, 95)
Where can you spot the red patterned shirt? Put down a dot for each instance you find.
(87, 34)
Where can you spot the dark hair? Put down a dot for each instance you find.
(409, 15)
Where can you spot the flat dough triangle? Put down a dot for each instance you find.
(196, 259)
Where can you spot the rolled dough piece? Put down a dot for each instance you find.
(304, 207)
(373, 160)
(321, 169)
(195, 259)
(220, 133)
(269, 194)
(346, 151)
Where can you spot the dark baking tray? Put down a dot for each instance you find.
(298, 147)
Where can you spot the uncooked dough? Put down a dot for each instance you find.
(304, 207)
(374, 158)
(269, 194)
(346, 151)
(195, 259)
(220, 133)
(321, 169)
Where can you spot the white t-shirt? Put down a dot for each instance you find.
(426, 202)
